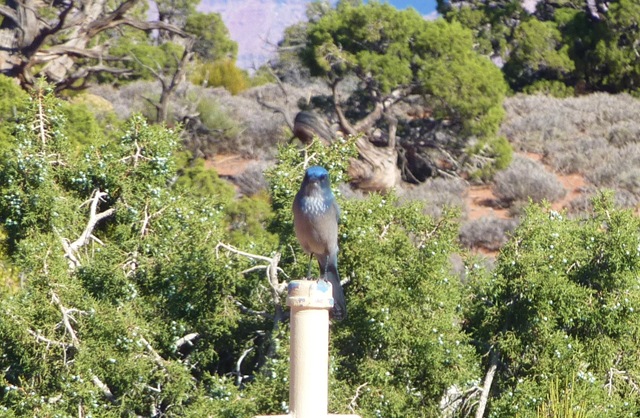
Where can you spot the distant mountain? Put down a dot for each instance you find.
(257, 25)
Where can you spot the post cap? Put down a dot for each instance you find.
(310, 293)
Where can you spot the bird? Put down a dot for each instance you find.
(315, 220)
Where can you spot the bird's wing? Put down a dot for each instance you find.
(336, 208)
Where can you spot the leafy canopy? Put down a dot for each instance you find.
(397, 55)
(578, 44)
(388, 49)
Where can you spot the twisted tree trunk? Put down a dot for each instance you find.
(376, 169)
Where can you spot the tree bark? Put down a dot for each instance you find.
(486, 386)
(169, 87)
(33, 44)
(376, 169)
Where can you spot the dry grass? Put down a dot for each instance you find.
(526, 179)
(489, 233)
(219, 122)
(436, 194)
(597, 136)
(532, 122)
(251, 181)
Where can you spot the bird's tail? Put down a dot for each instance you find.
(329, 271)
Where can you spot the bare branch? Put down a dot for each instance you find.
(275, 109)
(137, 156)
(110, 20)
(154, 354)
(178, 76)
(148, 217)
(370, 120)
(42, 339)
(486, 385)
(246, 310)
(103, 25)
(9, 13)
(95, 216)
(71, 249)
(104, 388)
(353, 404)
(94, 53)
(67, 318)
(239, 376)
(187, 339)
(344, 122)
(83, 72)
(272, 269)
(242, 253)
(42, 121)
(393, 128)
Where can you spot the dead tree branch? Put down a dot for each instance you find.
(238, 372)
(187, 339)
(154, 354)
(276, 109)
(486, 385)
(354, 401)
(104, 388)
(277, 288)
(67, 319)
(272, 269)
(49, 341)
(71, 249)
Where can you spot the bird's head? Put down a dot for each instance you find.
(316, 178)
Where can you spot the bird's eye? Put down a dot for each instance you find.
(323, 176)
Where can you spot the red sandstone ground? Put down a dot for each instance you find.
(481, 201)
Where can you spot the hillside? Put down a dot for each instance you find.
(576, 147)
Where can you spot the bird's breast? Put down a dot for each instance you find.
(312, 205)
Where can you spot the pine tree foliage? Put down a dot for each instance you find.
(132, 302)
(562, 309)
(124, 299)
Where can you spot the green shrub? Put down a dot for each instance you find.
(562, 306)
(496, 150)
(95, 325)
(402, 337)
(552, 88)
(197, 180)
(488, 232)
(12, 103)
(216, 119)
(221, 73)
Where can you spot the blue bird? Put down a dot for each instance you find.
(315, 220)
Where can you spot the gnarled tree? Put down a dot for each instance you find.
(402, 62)
(68, 41)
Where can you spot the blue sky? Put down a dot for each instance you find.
(425, 7)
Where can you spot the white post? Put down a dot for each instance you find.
(310, 302)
